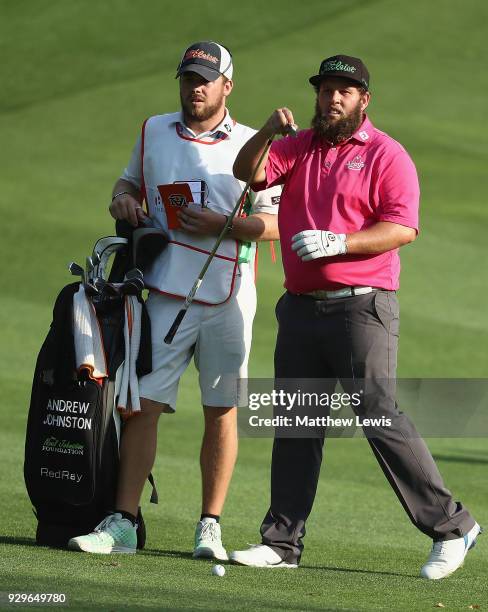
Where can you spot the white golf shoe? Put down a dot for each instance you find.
(259, 555)
(447, 555)
(208, 541)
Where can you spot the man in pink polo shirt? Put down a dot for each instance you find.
(350, 201)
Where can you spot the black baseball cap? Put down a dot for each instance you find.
(344, 66)
(208, 59)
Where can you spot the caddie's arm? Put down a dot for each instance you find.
(249, 155)
(256, 227)
(126, 202)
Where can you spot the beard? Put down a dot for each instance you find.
(337, 130)
(205, 112)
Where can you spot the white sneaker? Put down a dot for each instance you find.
(208, 541)
(259, 555)
(448, 555)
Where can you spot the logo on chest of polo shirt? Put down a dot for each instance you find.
(356, 163)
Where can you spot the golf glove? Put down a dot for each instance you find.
(313, 244)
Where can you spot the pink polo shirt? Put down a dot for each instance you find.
(344, 189)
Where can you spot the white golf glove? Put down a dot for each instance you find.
(312, 244)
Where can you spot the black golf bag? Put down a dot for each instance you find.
(73, 430)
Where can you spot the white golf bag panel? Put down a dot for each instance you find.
(169, 157)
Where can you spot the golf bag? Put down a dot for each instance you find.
(73, 430)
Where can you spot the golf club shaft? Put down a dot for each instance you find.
(189, 298)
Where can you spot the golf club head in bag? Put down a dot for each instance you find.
(102, 251)
(145, 243)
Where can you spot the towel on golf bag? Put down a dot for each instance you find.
(90, 355)
(129, 385)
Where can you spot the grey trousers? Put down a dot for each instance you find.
(349, 339)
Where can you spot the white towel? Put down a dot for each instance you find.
(89, 352)
(129, 386)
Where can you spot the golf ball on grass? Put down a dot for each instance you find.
(218, 570)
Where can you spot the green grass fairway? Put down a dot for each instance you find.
(78, 78)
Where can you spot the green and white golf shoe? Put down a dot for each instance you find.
(208, 541)
(113, 535)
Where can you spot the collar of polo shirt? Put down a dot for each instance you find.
(364, 134)
(225, 126)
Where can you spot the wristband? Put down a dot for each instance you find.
(120, 193)
(231, 226)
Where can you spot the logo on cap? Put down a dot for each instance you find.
(337, 65)
(199, 54)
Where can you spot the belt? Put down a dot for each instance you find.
(321, 294)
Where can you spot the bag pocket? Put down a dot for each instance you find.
(61, 443)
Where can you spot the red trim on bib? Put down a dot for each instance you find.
(179, 131)
(193, 248)
(180, 297)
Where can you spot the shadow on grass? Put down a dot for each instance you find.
(357, 571)
(460, 459)
(166, 553)
(18, 541)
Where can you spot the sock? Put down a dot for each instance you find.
(209, 518)
(127, 515)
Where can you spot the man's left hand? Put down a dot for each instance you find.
(313, 244)
(201, 221)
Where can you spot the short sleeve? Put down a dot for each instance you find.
(399, 192)
(282, 156)
(133, 172)
(266, 201)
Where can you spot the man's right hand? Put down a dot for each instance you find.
(254, 151)
(280, 122)
(125, 206)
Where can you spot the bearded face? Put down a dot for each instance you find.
(339, 108)
(201, 99)
(337, 125)
(200, 109)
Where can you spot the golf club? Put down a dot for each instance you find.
(77, 270)
(111, 290)
(100, 283)
(102, 252)
(132, 287)
(89, 270)
(134, 274)
(189, 298)
(91, 290)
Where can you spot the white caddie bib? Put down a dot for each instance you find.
(168, 156)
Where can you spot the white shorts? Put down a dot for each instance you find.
(218, 337)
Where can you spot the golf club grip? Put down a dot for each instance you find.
(168, 339)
